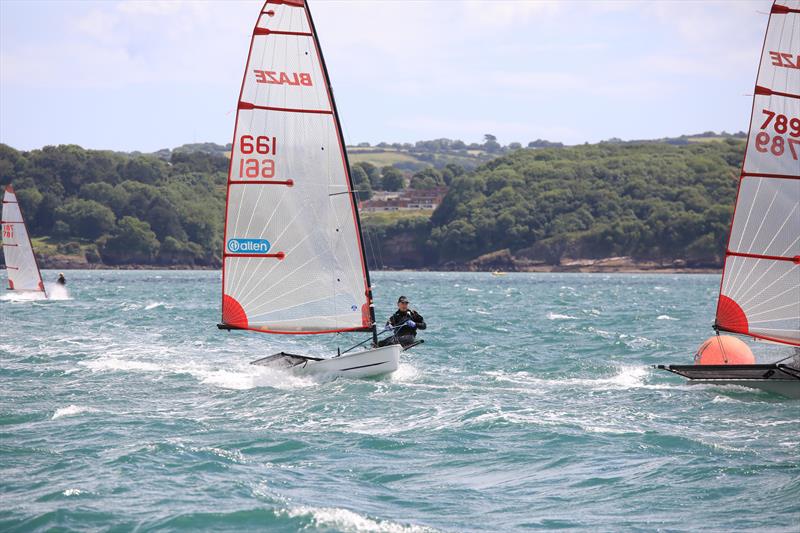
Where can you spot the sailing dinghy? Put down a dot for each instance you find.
(24, 277)
(293, 258)
(760, 289)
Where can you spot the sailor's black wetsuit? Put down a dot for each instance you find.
(404, 335)
(61, 280)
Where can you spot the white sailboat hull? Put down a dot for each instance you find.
(374, 362)
(367, 363)
(776, 378)
(786, 388)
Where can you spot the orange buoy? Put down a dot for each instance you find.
(724, 350)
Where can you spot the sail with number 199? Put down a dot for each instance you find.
(293, 258)
(21, 265)
(760, 289)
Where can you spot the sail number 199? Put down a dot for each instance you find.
(257, 167)
(777, 144)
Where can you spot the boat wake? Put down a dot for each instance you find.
(57, 292)
(244, 377)
(22, 297)
(627, 377)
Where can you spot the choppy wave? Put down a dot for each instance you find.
(349, 521)
(557, 316)
(129, 393)
(72, 410)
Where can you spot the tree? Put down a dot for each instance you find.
(392, 179)
(490, 143)
(104, 193)
(373, 173)
(86, 218)
(132, 242)
(429, 178)
(361, 183)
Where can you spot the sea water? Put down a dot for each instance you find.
(531, 405)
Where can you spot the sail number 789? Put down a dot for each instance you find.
(257, 167)
(777, 143)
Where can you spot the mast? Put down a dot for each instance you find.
(760, 287)
(349, 176)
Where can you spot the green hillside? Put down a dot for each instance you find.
(651, 200)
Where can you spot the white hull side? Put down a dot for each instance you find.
(787, 388)
(368, 363)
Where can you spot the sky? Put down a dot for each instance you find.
(141, 75)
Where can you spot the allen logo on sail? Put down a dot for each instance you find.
(248, 246)
(282, 78)
(785, 59)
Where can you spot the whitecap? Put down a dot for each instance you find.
(120, 364)
(72, 492)
(665, 317)
(557, 316)
(72, 410)
(153, 305)
(346, 520)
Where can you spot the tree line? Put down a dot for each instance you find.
(650, 200)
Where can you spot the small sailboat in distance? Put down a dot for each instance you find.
(760, 289)
(293, 258)
(23, 271)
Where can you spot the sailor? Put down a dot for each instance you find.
(61, 279)
(405, 322)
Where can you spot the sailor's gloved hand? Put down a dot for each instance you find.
(387, 327)
(410, 323)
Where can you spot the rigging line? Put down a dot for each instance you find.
(256, 285)
(776, 280)
(347, 245)
(774, 309)
(234, 282)
(763, 302)
(275, 240)
(312, 282)
(775, 236)
(320, 318)
(777, 232)
(773, 320)
(746, 222)
(283, 309)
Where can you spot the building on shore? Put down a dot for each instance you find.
(406, 200)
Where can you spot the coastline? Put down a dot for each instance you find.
(610, 265)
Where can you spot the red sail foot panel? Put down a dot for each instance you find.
(232, 312)
(730, 316)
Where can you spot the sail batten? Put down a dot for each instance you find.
(21, 264)
(287, 134)
(760, 288)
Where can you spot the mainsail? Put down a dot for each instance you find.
(23, 271)
(293, 258)
(760, 290)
